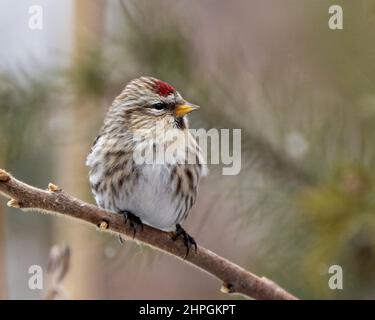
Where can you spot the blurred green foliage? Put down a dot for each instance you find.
(160, 47)
(87, 76)
(341, 215)
(23, 107)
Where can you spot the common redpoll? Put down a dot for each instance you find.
(159, 194)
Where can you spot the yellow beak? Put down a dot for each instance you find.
(183, 109)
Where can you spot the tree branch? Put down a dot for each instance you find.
(235, 279)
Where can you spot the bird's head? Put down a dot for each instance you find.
(147, 101)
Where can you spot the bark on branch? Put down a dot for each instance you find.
(235, 279)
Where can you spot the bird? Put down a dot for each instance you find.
(156, 193)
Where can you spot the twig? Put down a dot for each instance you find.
(235, 279)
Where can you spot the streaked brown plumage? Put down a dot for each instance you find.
(159, 194)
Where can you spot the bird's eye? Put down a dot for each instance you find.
(158, 106)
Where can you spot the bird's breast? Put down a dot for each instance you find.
(161, 194)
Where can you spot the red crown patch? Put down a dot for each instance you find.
(164, 89)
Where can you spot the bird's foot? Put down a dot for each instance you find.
(134, 221)
(186, 238)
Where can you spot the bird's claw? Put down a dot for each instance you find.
(186, 238)
(134, 221)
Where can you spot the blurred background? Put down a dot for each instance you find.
(302, 94)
